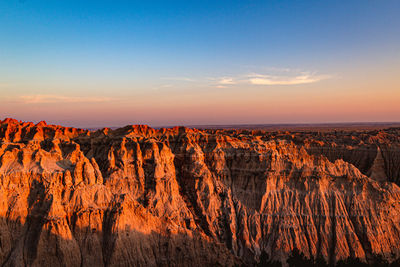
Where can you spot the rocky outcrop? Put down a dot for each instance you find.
(145, 197)
(358, 148)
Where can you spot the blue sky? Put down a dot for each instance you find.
(113, 55)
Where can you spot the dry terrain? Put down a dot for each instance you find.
(136, 196)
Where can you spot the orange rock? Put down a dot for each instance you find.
(179, 196)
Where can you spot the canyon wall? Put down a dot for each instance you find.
(145, 197)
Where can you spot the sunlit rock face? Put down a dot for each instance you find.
(136, 196)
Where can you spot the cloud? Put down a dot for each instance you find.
(304, 78)
(264, 76)
(41, 99)
(226, 81)
(163, 86)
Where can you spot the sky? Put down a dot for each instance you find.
(164, 63)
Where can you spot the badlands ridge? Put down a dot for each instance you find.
(136, 196)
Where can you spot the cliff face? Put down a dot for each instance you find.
(360, 149)
(139, 196)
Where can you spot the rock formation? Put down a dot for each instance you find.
(136, 196)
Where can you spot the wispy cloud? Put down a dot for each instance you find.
(304, 78)
(285, 77)
(264, 76)
(226, 81)
(163, 86)
(41, 99)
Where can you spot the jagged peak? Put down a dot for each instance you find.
(10, 121)
(41, 124)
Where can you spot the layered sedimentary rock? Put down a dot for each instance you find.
(145, 197)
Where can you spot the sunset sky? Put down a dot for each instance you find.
(112, 63)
